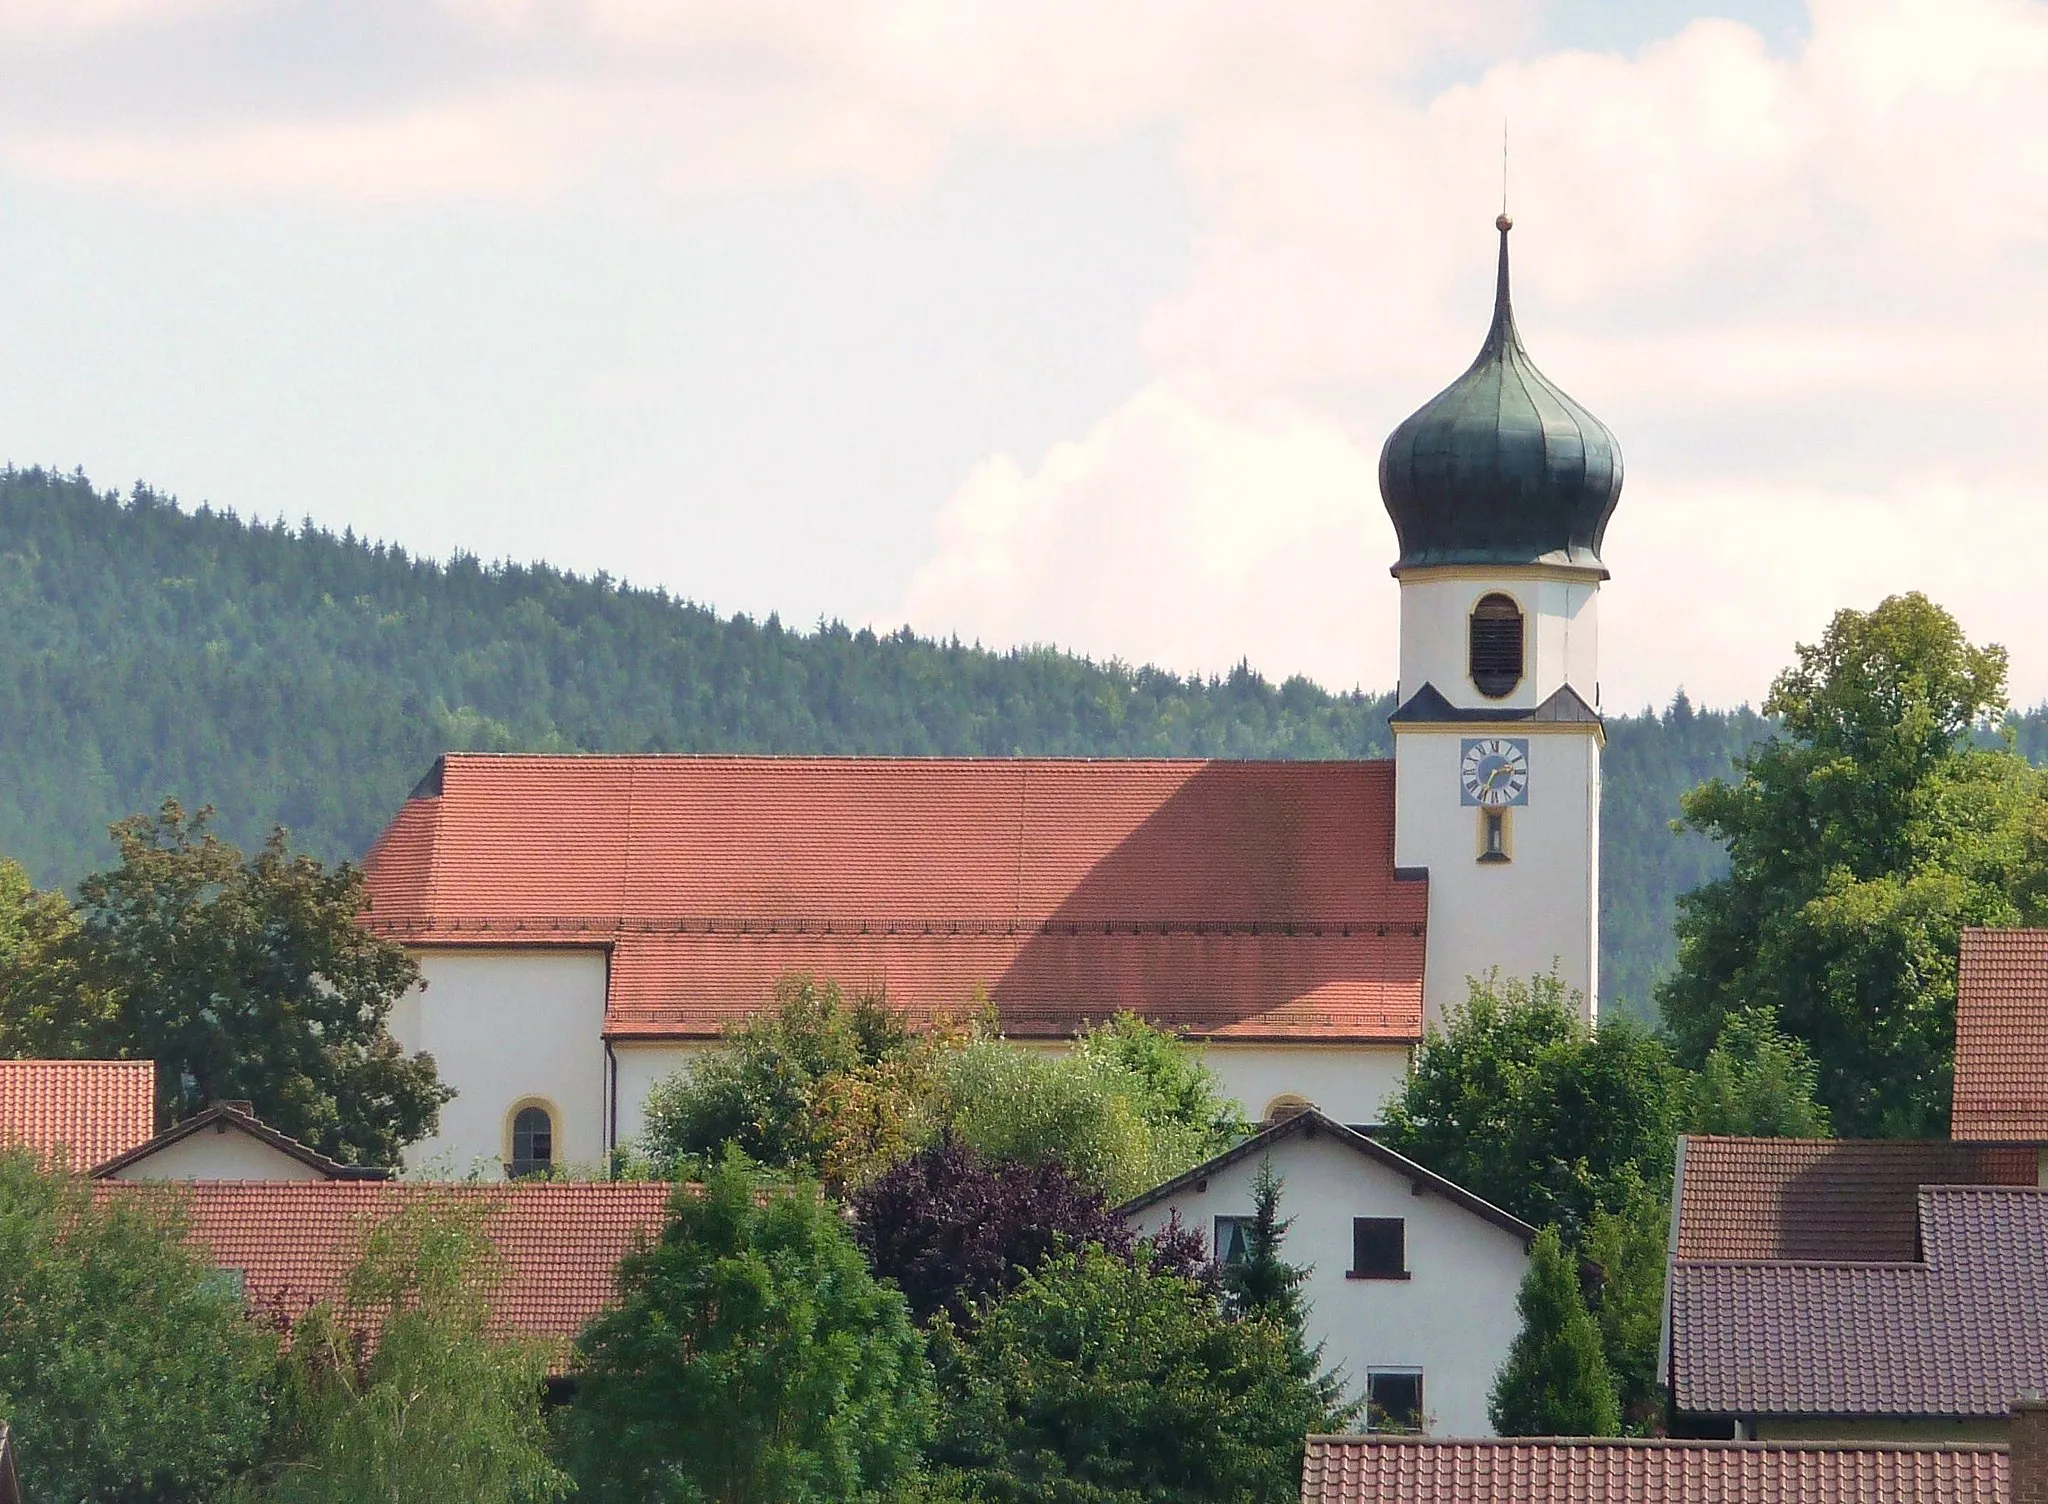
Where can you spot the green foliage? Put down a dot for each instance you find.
(1863, 839)
(1628, 1242)
(1263, 1286)
(47, 1007)
(1758, 1081)
(1555, 1381)
(1517, 1099)
(1097, 1381)
(249, 979)
(127, 1368)
(751, 1356)
(841, 1093)
(814, 1085)
(293, 677)
(401, 1393)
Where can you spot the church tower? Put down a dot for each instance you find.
(1500, 488)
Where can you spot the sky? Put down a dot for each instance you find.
(1050, 321)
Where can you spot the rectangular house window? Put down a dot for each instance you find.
(1393, 1399)
(1231, 1235)
(1379, 1248)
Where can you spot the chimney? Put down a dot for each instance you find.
(2029, 1438)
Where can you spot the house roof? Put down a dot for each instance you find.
(1310, 1123)
(1417, 1470)
(295, 1241)
(85, 1110)
(1959, 1333)
(236, 1117)
(1235, 900)
(2001, 1082)
(1828, 1199)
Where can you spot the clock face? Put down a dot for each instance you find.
(1493, 771)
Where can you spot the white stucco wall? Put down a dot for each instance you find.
(1350, 1083)
(1453, 1318)
(1523, 914)
(640, 1066)
(218, 1154)
(504, 1027)
(1560, 633)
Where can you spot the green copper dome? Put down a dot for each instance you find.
(1501, 467)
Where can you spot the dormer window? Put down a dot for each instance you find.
(1496, 646)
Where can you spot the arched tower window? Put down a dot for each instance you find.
(1496, 645)
(533, 1142)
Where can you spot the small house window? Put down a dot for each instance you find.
(1232, 1236)
(1496, 646)
(1379, 1248)
(533, 1142)
(1287, 1105)
(1393, 1399)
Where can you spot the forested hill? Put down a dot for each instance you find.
(289, 676)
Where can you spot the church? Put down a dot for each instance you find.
(584, 925)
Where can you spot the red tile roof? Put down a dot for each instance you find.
(1412, 1470)
(295, 1241)
(1828, 1199)
(1247, 900)
(1960, 1335)
(86, 1110)
(2001, 1086)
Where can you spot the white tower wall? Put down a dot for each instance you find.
(1540, 908)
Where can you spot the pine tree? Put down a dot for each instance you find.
(1555, 1381)
(1263, 1286)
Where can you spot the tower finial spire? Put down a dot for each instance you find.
(1504, 172)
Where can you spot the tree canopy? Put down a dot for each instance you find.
(1863, 838)
(751, 1356)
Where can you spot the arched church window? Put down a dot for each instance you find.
(1496, 645)
(533, 1142)
(1288, 1104)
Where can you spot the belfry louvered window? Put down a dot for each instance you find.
(1496, 648)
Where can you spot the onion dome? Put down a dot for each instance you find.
(1501, 467)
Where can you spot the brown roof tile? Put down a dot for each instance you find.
(1248, 900)
(1961, 1334)
(1829, 1199)
(86, 1110)
(1410, 1470)
(2001, 1084)
(295, 1241)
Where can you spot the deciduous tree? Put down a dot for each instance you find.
(249, 978)
(751, 1356)
(1862, 839)
(1759, 1082)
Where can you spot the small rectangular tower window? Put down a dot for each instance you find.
(1493, 835)
(1379, 1248)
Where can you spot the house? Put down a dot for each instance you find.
(1897, 1289)
(80, 1112)
(1412, 1280)
(1412, 1470)
(586, 925)
(291, 1244)
(227, 1141)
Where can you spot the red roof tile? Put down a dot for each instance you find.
(1411, 1470)
(1828, 1199)
(1960, 1335)
(295, 1241)
(1249, 900)
(88, 1110)
(2001, 1087)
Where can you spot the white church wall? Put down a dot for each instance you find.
(1350, 1083)
(1561, 638)
(1539, 907)
(218, 1154)
(641, 1066)
(507, 1027)
(1453, 1318)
